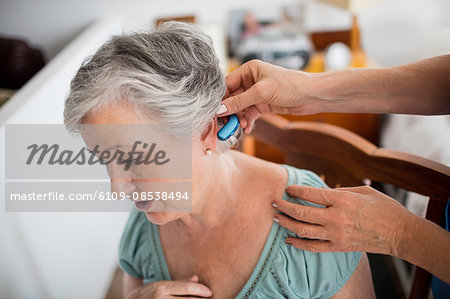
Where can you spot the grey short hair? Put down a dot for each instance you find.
(171, 74)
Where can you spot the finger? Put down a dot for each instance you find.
(194, 278)
(241, 101)
(187, 288)
(251, 115)
(311, 215)
(223, 109)
(242, 121)
(301, 229)
(311, 245)
(236, 92)
(241, 89)
(323, 196)
(227, 94)
(240, 77)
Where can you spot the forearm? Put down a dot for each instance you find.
(426, 245)
(419, 88)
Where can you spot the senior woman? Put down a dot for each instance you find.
(229, 244)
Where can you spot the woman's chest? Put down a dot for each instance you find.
(223, 260)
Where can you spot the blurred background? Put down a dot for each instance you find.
(43, 43)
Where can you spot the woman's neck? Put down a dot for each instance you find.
(230, 188)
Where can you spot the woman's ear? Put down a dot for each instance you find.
(209, 136)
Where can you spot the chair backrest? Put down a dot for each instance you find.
(346, 159)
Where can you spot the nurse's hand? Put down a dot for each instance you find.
(258, 87)
(189, 288)
(354, 219)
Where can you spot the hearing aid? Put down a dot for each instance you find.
(229, 128)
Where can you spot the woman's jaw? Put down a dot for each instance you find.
(214, 192)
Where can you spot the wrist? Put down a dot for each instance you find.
(309, 92)
(349, 91)
(407, 234)
(328, 92)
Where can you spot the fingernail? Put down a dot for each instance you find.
(288, 242)
(274, 204)
(222, 109)
(276, 219)
(208, 293)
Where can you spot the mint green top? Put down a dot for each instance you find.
(282, 271)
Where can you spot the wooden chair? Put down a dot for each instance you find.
(346, 159)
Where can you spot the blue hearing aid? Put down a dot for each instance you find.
(229, 128)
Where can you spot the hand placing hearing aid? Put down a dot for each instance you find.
(229, 128)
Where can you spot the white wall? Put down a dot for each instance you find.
(48, 24)
(402, 31)
(55, 255)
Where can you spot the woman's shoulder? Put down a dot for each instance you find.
(299, 273)
(135, 248)
(302, 177)
(298, 176)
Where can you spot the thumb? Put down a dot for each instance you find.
(239, 102)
